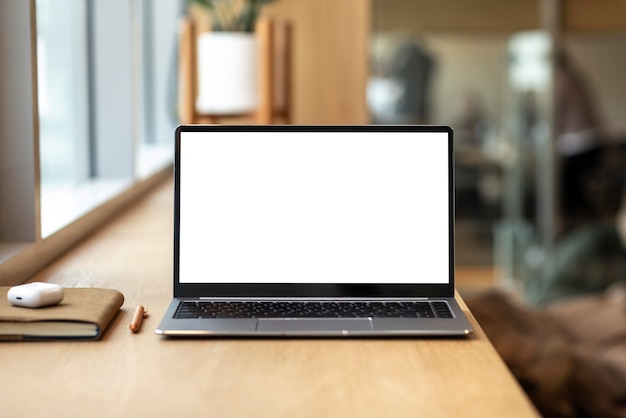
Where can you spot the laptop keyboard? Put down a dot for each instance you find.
(240, 309)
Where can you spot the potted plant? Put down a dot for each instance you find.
(227, 56)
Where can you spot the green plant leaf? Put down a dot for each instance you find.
(248, 16)
(204, 3)
(228, 18)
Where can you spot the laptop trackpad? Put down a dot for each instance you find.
(313, 324)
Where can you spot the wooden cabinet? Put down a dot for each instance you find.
(330, 58)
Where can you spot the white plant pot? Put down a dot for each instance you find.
(227, 73)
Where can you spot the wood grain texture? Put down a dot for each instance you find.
(594, 17)
(428, 16)
(265, 37)
(485, 16)
(141, 374)
(330, 44)
(187, 82)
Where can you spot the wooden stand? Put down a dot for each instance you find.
(274, 77)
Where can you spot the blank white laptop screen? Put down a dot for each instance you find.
(307, 207)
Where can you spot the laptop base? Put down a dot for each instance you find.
(313, 327)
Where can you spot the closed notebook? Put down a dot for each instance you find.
(84, 313)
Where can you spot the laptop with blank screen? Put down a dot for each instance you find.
(314, 231)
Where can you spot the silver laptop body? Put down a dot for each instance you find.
(314, 231)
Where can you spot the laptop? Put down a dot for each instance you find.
(314, 231)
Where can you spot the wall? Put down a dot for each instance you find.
(456, 15)
(330, 58)
(601, 58)
(469, 39)
(477, 63)
(467, 65)
(18, 103)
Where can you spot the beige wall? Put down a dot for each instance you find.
(468, 65)
(477, 63)
(330, 58)
(601, 58)
(331, 44)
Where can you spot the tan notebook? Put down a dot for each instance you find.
(84, 313)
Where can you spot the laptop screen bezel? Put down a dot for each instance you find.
(312, 290)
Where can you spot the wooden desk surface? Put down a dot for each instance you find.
(141, 374)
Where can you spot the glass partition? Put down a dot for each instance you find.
(536, 101)
(588, 254)
(460, 71)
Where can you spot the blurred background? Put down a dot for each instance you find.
(536, 95)
(535, 92)
(533, 89)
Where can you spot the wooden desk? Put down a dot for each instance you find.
(142, 375)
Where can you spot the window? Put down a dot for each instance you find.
(88, 114)
(63, 92)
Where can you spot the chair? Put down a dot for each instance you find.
(274, 39)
